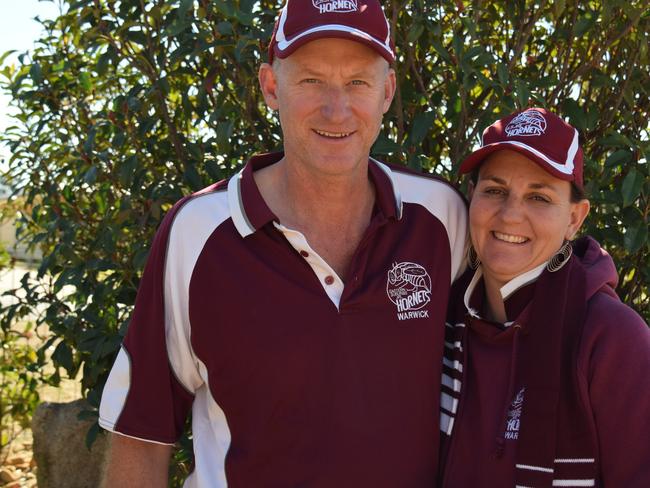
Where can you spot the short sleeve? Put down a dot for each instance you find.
(146, 396)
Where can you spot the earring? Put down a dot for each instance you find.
(472, 258)
(560, 258)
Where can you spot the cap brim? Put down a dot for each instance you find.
(475, 159)
(339, 34)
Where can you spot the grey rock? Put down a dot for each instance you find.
(60, 452)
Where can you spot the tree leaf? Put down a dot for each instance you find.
(632, 185)
(91, 175)
(62, 356)
(421, 125)
(36, 73)
(92, 434)
(415, 33)
(618, 157)
(636, 235)
(384, 146)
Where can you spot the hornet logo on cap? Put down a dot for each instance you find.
(336, 6)
(528, 123)
(409, 288)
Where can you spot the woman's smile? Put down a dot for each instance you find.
(510, 238)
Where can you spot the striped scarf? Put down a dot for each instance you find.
(555, 446)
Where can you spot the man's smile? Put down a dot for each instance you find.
(332, 135)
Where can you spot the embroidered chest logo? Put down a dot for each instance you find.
(528, 123)
(409, 288)
(335, 6)
(514, 416)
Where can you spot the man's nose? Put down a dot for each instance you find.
(336, 104)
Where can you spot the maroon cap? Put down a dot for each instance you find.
(539, 135)
(302, 21)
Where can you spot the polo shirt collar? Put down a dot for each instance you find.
(250, 212)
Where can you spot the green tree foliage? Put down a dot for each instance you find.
(124, 106)
(19, 381)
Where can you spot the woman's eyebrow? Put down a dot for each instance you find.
(496, 179)
(542, 186)
(533, 186)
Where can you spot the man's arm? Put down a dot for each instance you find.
(135, 463)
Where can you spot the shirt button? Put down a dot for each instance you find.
(329, 280)
(304, 254)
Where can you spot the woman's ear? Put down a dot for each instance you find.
(470, 190)
(579, 212)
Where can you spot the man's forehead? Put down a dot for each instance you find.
(334, 52)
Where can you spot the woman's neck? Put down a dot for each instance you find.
(495, 307)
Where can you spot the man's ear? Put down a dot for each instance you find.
(579, 212)
(269, 85)
(390, 86)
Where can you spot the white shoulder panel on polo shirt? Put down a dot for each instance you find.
(192, 227)
(442, 201)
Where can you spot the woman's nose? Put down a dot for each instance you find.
(512, 209)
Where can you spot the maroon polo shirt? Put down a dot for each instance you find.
(294, 378)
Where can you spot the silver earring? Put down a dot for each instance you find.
(560, 258)
(472, 258)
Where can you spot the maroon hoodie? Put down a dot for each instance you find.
(594, 420)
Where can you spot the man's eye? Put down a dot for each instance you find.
(310, 80)
(359, 82)
(494, 191)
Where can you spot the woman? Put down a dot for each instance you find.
(546, 373)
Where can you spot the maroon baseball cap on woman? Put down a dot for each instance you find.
(301, 21)
(539, 135)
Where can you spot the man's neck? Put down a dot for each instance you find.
(332, 211)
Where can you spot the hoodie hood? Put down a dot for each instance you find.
(600, 271)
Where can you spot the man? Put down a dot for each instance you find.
(298, 308)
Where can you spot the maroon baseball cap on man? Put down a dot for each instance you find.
(301, 21)
(539, 135)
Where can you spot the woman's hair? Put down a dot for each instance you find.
(577, 193)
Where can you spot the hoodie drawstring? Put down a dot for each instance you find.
(501, 430)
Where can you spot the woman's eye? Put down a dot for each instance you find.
(494, 191)
(540, 198)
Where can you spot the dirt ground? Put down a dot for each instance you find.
(17, 469)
